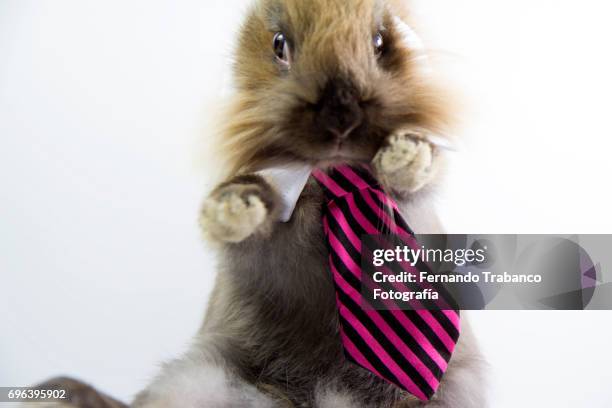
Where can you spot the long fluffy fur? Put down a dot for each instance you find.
(269, 120)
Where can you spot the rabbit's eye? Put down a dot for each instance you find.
(281, 48)
(379, 43)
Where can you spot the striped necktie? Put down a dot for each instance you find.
(408, 348)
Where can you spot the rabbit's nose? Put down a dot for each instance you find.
(338, 108)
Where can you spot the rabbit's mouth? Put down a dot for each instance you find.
(341, 152)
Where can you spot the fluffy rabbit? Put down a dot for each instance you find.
(318, 82)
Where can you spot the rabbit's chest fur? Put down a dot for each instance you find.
(280, 328)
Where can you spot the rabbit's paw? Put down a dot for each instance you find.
(237, 209)
(74, 394)
(407, 162)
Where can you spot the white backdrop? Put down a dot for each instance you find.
(104, 111)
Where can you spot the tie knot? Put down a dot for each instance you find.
(341, 180)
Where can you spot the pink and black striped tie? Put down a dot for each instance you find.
(408, 348)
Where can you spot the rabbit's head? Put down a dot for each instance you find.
(326, 81)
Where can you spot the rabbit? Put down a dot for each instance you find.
(317, 82)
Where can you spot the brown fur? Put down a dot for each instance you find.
(274, 115)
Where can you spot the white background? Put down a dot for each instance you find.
(104, 116)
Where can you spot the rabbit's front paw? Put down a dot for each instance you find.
(407, 162)
(237, 209)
